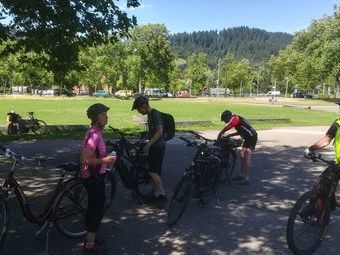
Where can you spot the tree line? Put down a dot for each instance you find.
(134, 57)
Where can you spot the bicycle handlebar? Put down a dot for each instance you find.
(8, 153)
(319, 158)
(201, 137)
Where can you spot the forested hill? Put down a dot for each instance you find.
(254, 44)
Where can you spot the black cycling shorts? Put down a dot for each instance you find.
(155, 159)
(250, 142)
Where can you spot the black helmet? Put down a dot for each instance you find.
(139, 101)
(95, 109)
(226, 115)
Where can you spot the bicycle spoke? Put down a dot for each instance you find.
(308, 223)
(70, 210)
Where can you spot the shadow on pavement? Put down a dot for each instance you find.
(246, 219)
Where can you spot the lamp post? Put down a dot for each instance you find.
(218, 76)
(287, 87)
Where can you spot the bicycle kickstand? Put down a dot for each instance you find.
(218, 202)
(47, 226)
(50, 225)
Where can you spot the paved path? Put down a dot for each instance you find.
(246, 220)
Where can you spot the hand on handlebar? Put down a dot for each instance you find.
(309, 152)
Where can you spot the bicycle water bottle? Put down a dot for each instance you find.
(109, 166)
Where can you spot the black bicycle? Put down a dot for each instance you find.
(200, 178)
(309, 219)
(131, 166)
(225, 150)
(18, 125)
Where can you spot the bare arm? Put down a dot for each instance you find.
(88, 157)
(322, 143)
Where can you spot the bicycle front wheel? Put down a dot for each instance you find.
(3, 221)
(179, 201)
(70, 208)
(308, 223)
(39, 127)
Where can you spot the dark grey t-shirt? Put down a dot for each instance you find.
(154, 121)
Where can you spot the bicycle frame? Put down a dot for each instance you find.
(47, 214)
(129, 164)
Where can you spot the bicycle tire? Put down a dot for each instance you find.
(69, 210)
(39, 127)
(143, 185)
(179, 201)
(12, 129)
(110, 189)
(227, 170)
(309, 217)
(4, 221)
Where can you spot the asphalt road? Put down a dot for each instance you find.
(244, 220)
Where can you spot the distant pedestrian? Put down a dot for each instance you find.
(94, 162)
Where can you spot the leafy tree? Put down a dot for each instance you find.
(314, 55)
(151, 46)
(196, 72)
(60, 28)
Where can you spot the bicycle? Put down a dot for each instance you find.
(131, 166)
(200, 178)
(66, 206)
(18, 125)
(309, 218)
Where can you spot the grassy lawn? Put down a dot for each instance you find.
(66, 111)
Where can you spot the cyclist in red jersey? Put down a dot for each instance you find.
(249, 135)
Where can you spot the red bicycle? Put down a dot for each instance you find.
(309, 219)
(65, 208)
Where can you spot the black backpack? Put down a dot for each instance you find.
(168, 126)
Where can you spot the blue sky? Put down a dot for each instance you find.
(197, 15)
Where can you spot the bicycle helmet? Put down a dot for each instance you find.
(95, 109)
(139, 101)
(226, 115)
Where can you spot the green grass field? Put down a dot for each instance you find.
(68, 111)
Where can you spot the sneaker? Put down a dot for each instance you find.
(243, 182)
(94, 250)
(237, 178)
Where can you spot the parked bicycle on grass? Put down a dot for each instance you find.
(18, 125)
(309, 219)
(66, 206)
(209, 167)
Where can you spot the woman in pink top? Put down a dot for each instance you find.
(93, 167)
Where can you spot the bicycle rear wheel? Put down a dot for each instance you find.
(308, 223)
(70, 208)
(144, 187)
(39, 127)
(179, 201)
(227, 170)
(12, 129)
(4, 216)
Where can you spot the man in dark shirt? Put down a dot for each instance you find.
(155, 147)
(249, 134)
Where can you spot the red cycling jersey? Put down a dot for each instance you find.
(242, 126)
